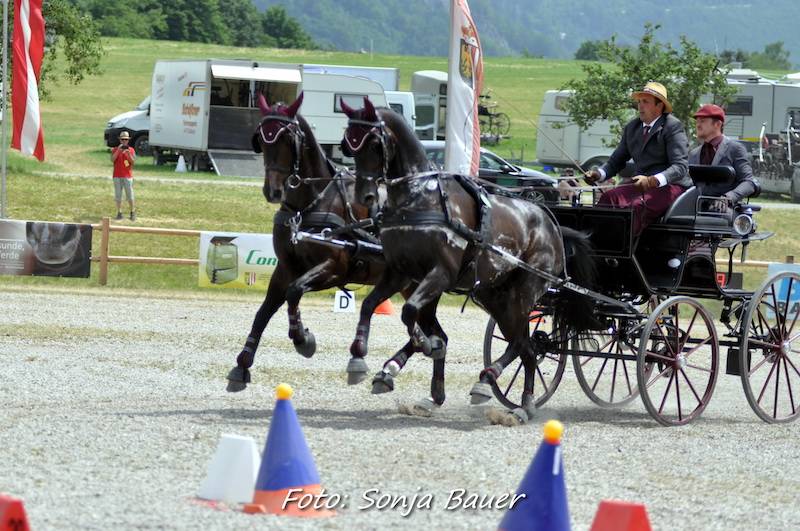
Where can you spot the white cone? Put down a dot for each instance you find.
(181, 166)
(233, 470)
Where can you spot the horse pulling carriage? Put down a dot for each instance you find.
(622, 307)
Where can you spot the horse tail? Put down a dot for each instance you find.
(574, 310)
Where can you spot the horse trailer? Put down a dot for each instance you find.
(207, 109)
(430, 98)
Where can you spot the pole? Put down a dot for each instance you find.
(3, 101)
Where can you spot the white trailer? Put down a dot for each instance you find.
(430, 99)
(207, 109)
(389, 78)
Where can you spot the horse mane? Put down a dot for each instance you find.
(410, 150)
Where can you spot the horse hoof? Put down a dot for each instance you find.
(425, 407)
(356, 371)
(308, 346)
(438, 348)
(383, 382)
(238, 378)
(480, 393)
(520, 415)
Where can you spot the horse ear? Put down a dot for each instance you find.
(263, 105)
(369, 110)
(294, 107)
(255, 142)
(349, 111)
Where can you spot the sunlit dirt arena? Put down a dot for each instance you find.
(113, 406)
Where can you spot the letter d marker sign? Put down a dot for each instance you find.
(344, 302)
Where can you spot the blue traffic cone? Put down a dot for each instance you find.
(288, 482)
(544, 507)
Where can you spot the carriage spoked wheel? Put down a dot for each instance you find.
(678, 361)
(502, 123)
(607, 377)
(769, 352)
(549, 367)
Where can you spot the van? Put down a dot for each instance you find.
(430, 98)
(136, 123)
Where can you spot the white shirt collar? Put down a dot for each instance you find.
(651, 124)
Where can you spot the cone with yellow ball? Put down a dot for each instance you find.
(288, 483)
(544, 506)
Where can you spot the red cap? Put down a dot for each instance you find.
(709, 110)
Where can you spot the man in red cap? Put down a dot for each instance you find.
(720, 150)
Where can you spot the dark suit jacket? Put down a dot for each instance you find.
(729, 153)
(665, 151)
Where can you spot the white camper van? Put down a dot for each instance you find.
(207, 109)
(760, 101)
(430, 99)
(402, 103)
(389, 78)
(560, 141)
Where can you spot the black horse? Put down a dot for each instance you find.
(312, 197)
(440, 233)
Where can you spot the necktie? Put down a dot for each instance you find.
(646, 131)
(707, 154)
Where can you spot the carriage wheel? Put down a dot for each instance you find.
(502, 124)
(608, 381)
(678, 361)
(769, 353)
(549, 367)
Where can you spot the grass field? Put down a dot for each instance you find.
(73, 184)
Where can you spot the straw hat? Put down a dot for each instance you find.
(124, 134)
(657, 90)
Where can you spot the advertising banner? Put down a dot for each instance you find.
(783, 296)
(45, 249)
(236, 260)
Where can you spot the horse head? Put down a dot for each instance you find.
(383, 146)
(279, 137)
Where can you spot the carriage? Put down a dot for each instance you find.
(653, 337)
(640, 328)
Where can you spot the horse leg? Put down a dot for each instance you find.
(239, 376)
(318, 277)
(383, 382)
(513, 323)
(428, 292)
(389, 284)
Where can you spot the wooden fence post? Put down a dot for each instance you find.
(790, 259)
(104, 235)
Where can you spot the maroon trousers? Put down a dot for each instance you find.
(647, 206)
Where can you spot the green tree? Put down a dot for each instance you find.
(774, 57)
(244, 23)
(688, 74)
(730, 56)
(588, 51)
(287, 32)
(195, 21)
(72, 35)
(140, 20)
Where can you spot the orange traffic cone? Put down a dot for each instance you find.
(384, 308)
(288, 482)
(615, 515)
(12, 514)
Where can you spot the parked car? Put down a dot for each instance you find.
(498, 170)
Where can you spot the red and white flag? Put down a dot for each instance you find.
(28, 48)
(464, 82)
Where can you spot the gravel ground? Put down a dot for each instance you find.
(112, 406)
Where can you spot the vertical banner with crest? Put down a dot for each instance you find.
(464, 82)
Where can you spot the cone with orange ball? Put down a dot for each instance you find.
(544, 507)
(287, 481)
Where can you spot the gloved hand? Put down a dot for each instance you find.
(591, 177)
(645, 182)
(566, 188)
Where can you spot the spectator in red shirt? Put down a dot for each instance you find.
(123, 157)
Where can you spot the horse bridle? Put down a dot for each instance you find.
(355, 143)
(290, 126)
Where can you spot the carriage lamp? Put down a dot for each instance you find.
(744, 224)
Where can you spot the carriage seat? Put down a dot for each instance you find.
(684, 211)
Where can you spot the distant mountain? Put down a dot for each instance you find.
(550, 28)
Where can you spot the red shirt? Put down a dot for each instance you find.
(124, 164)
